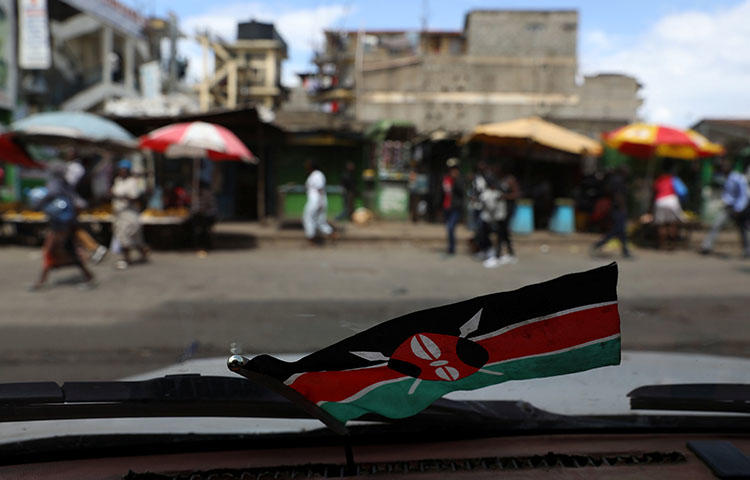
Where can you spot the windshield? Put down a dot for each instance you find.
(193, 180)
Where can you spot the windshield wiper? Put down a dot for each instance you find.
(190, 395)
(704, 397)
(195, 395)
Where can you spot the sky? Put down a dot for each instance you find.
(691, 56)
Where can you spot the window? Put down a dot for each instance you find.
(569, 27)
(535, 26)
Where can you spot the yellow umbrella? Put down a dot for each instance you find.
(706, 148)
(645, 140)
(536, 130)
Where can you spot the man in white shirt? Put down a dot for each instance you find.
(127, 226)
(314, 215)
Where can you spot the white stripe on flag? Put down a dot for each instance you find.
(293, 377)
(539, 319)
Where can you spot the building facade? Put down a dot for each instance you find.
(93, 52)
(503, 65)
(246, 72)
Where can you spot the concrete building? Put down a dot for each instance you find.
(246, 72)
(96, 49)
(503, 65)
(732, 133)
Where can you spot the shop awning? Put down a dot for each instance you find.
(536, 130)
(383, 129)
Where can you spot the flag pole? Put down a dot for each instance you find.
(238, 364)
(351, 467)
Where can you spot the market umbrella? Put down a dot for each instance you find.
(648, 141)
(706, 148)
(537, 131)
(644, 140)
(197, 140)
(73, 128)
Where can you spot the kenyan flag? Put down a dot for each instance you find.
(399, 367)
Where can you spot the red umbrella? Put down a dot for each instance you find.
(196, 140)
(10, 152)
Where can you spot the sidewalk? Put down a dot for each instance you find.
(430, 234)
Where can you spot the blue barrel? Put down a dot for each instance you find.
(563, 219)
(523, 219)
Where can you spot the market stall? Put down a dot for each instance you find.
(548, 161)
(96, 140)
(196, 141)
(387, 179)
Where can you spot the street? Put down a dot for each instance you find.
(290, 298)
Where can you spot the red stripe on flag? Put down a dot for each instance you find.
(339, 385)
(554, 333)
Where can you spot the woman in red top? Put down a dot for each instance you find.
(668, 213)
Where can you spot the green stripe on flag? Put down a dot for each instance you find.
(393, 400)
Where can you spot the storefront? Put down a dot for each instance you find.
(390, 159)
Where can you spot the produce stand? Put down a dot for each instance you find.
(161, 227)
(644, 233)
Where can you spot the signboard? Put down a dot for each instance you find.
(7, 55)
(393, 201)
(33, 35)
(150, 79)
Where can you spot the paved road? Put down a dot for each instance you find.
(286, 299)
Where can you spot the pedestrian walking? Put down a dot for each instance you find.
(477, 188)
(721, 217)
(500, 200)
(494, 211)
(59, 249)
(453, 201)
(127, 226)
(616, 188)
(736, 199)
(511, 192)
(204, 218)
(74, 173)
(314, 214)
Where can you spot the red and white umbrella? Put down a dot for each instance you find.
(196, 140)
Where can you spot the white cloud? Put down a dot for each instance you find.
(301, 28)
(692, 64)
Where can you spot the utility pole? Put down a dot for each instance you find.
(205, 99)
(172, 82)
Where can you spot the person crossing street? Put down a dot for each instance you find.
(453, 201)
